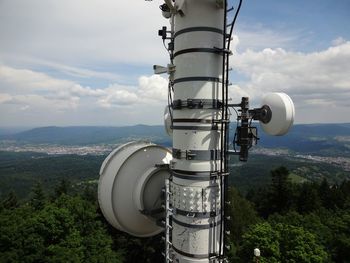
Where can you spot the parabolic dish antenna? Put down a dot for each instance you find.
(130, 187)
(282, 109)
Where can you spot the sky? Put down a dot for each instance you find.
(89, 62)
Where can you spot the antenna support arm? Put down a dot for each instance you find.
(171, 6)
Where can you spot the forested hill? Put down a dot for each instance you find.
(323, 139)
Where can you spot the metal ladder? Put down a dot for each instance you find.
(168, 226)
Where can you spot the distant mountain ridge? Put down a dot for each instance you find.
(85, 135)
(320, 139)
(323, 139)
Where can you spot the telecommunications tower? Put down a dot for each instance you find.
(145, 189)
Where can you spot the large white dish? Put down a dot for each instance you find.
(283, 112)
(130, 182)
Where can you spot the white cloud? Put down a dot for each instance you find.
(116, 97)
(4, 97)
(50, 104)
(25, 107)
(151, 89)
(24, 80)
(338, 41)
(313, 80)
(70, 70)
(257, 37)
(82, 31)
(40, 91)
(318, 83)
(39, 94)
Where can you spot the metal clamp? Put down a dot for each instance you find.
(199, 29)
(213, 127)
(189, 175)
(223, 50)
(197, 104)
(201, 50)
(203, 155)
(198, 78)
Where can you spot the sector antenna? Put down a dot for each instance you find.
(145, 189)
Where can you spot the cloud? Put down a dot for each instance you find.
(338, 41)
(117, 97)
(318, 82)
(24, 80)
(27, 82)
(26, 87)
(258, 37)
(25, 107)
(313, 80)
(39, 94)
(50, 104)
(151, 89)
(4, 97)
(82, 32)
(70, 70)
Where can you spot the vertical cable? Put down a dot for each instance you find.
(226, 143)
(222, 138)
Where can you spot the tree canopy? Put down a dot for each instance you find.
(294, 223)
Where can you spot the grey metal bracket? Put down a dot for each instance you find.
(197, 154)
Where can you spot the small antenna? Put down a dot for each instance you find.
(257, 254)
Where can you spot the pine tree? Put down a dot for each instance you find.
(10, 201)
(38, 198)
(280, 190)
(62, 188)
(308, 199)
